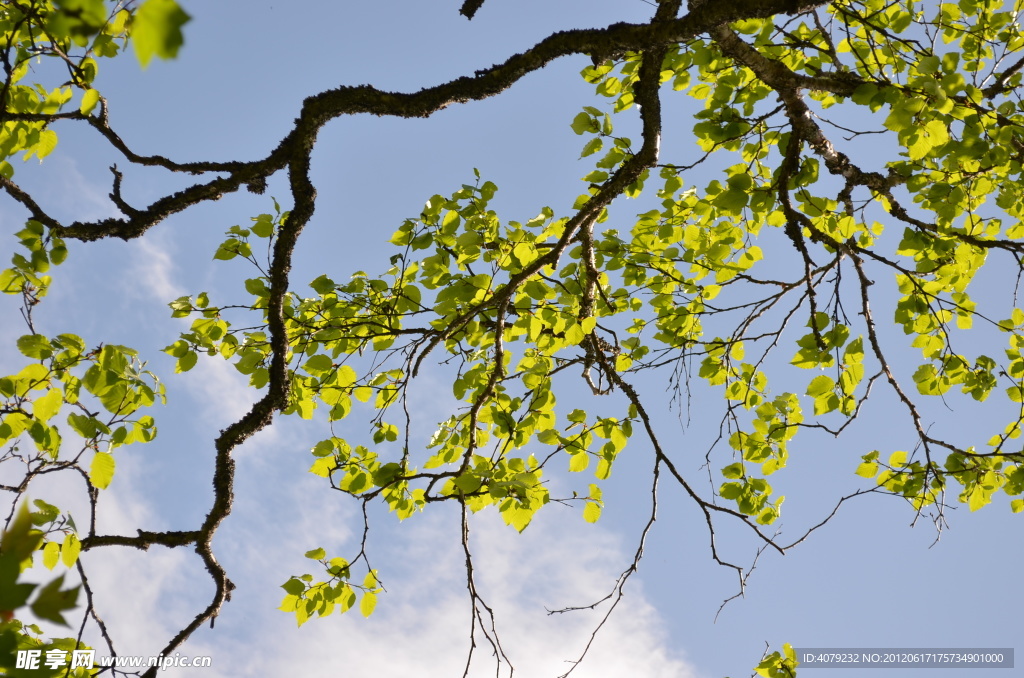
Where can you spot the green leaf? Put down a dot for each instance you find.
(51, 601)
(47, 512)
(77, 19)
(186, 362)
(14, 595)
(19, 541)
(318, 364)
(577, 416)
(156, 30)
(48, 405)
(733, 471)
(978, 498)
(316, 554)
(51, 555)
(58, 255)
(85, 426)
(35, 346)
(294, 586)
(468, 483)
(346, 376)
(89, 101)
(101, 471)
(820, 385)
(591, 511)
(868, 469)
(864, 94)
(323, 285)
(730, 490)
(583, 123)
(70, 549)
(370, 580)
(826, 403)
(31, 377)
(368, 603)
(579, 462)
(593, 146)
(47, 142)
(231, 248)
(928, 64)
(263, 226)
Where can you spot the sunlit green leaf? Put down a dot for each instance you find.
(156, 30)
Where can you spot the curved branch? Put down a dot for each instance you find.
(321, 108)
(469, 8)
(262, 412)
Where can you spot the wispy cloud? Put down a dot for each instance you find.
(153, 269)
(138, 594)
(421, 626)
(220, 391)
(73, 195)
(143, 596)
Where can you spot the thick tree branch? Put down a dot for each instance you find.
(319, 109)
(262, 412)
(470, 7)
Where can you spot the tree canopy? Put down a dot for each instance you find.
(843, 221)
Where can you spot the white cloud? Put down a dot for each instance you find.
(421, 626)
(221, 392)
(73, 196)
(130, 587)
(143, 596)
(153, 269)
(563, 562)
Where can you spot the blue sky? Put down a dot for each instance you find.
(866, 580)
